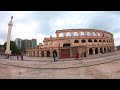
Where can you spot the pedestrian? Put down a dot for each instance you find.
(77, 56)
(54, 56)
(21, 55)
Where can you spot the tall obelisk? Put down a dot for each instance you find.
(10, 24)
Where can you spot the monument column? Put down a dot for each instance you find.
(8, 51)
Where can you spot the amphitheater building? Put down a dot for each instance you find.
(69, 41)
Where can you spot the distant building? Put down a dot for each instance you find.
(18, 43)
(33, 42)
(2, 49)
(26, 44)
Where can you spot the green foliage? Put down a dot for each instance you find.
(13, 48)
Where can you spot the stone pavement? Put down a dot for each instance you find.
(45, 68)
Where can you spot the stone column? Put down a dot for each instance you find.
(45, 53)
(98, 50)
(103, 49)
(93, 50)
(57, 35)
(8, 51)
(64, 33)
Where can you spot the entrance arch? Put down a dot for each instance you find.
(101, 50)
(90, 51)
(96, 50)
(55, 52)
(42, 54)
(85, 54)
(104, 50)
(48, 53)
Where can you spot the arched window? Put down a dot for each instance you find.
(98, 34)
(95, 40)
(83, 41)
(61, 35)
(89, 40)
(88, 34)
(94, 34)
(103, 40)
(68, 34)
(75, 34)
(99, 40)
(76, 41)
(82, 34)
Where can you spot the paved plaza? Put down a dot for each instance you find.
(102, 66)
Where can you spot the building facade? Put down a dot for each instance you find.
(70, 41)
(33, 42)
(26, 44)
(18, 43)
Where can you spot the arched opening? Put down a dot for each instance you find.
(85, 54)
(76, 41)
(88, 34)
(103, 40)
(96, 50)
(94, 34)
(90, 51)
(104, 50)
(33, 53)
(89, 40)
(61, 35)
(66, 45)
(55, 52)
(82, 34)
(75, 34)
(68, 34)
(48, 53)
(98, 34)
(83, 41)
(42, 54)
(95, 40)
(101, 51)
(99, 40)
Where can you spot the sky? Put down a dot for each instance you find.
(41, 24)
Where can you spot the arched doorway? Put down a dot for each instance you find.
(90, 51)
(42, 54)
(85, 54)
(101, 50)
(33, 53)
(48, 53)
(104, 50)
(96, 50)
(55, 52)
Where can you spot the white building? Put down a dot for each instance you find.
(18, 42)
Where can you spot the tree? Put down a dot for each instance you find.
(13, 48)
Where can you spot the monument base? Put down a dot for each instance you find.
(8, 52)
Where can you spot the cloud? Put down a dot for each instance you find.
(40, 24)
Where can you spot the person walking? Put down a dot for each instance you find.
(21, 55)
(77, 56)
(54, 56)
